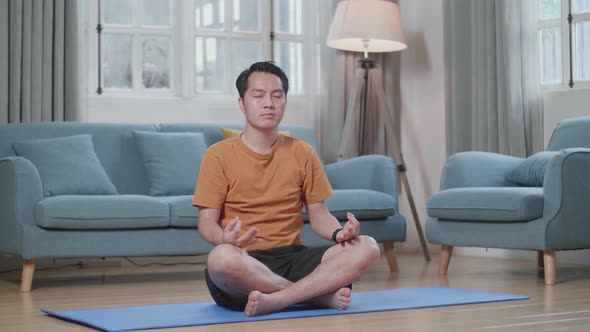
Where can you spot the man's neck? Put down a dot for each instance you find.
(260, 141)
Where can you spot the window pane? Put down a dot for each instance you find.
(289, 55)
(116, 64)
(156, 62)
(550, 56)
(209, 14)
(209, 68)
(581, 6)
(582, 51)
(156, 13)
(246, 15)
(244, 53)
(289, 16)
(117, 12)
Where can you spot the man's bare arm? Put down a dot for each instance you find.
(211, 231)
(324, 223)
(209, 227)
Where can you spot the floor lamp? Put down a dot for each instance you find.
(371, 26)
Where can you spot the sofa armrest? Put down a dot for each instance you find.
(478, 169)
(20, 190)
(372, 172)
(566, 187)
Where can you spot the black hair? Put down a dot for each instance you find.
(266, 67)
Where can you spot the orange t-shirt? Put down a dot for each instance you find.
(267, 191)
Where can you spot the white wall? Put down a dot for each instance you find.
(423, 109)
(160, 109)
(562, 104)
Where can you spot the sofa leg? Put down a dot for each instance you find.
(549, 261)
(391, 257)
(27, 275)
(445, 257)
(540, 263)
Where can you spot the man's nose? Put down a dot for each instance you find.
(268, 102)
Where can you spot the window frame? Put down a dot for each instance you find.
(182, 81)
(563, 23)
(138, 32)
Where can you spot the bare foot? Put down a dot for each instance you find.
(260, 303)
(339, 299)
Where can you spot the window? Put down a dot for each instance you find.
(564, 46)
(137, 44)
(198, 47)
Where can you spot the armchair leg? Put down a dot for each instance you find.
(27, 275)
(540, 263)
(445, 257)
(549, 261)
(391, 257)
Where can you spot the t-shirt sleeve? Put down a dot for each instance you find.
(316, 186)
(212, 186)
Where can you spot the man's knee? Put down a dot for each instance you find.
(369, 247)
(225, 259)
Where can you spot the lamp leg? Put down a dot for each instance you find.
(401, 167)
(361, 97)
(406, 184)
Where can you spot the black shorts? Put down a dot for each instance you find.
(290, 262)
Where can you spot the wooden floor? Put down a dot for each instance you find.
(562, 307)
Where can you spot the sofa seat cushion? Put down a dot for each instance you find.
(364, 204)
(182, 211)
(487, 204)
(102, 212)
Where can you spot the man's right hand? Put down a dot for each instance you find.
(231, 234)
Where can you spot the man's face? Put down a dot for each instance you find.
(264, 101)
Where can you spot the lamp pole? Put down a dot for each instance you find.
(368, 64)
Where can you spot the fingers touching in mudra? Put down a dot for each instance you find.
(350, 230)
(231, 234)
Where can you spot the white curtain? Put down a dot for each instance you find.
(338, 75)
(493, 96)
(39, 61)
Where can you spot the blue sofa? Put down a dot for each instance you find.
(539, 203)
(38, 223)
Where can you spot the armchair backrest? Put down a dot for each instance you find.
(570, 133)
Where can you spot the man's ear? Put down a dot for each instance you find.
(241, 104)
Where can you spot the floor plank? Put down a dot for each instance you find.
(561, 307)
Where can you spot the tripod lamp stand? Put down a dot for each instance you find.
(371, 26)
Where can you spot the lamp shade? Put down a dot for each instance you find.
(366, 26)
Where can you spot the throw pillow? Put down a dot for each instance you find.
(67, 165)
(531, 171)
(171, 161)
(229, 133)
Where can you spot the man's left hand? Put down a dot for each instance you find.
(350, 230)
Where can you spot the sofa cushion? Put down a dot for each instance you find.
(487, 204)
(531, 171)
(364, 204)
(171, 161)
(182, 211)
(102, 212)
(67, 165)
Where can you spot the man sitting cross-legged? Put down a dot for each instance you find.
(250, 194)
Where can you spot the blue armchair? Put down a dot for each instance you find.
(480, 205)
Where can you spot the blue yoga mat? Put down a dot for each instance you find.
(205, 313)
